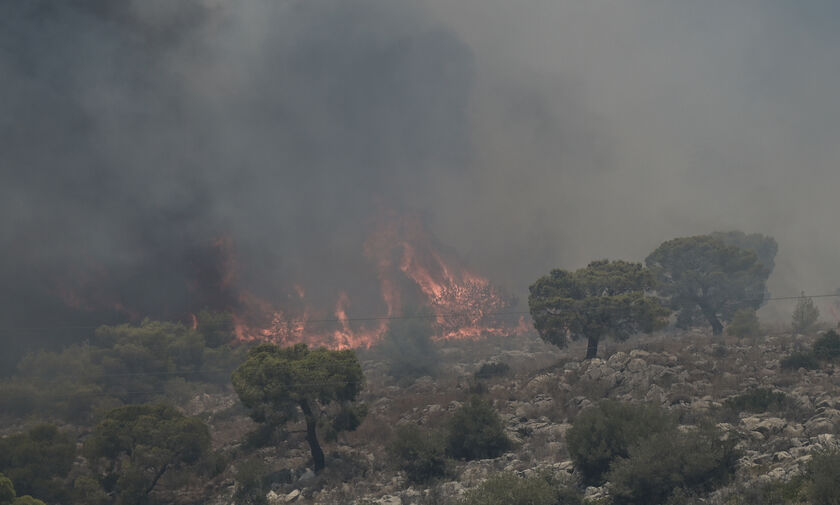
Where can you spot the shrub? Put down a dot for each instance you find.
(250, 487)
(827, 346)
(799, 360)
(7, 490)
(805, 315)
(824, 476)
(476, 431)
(420, 454)
(508, 489)
(744, 324)
(602, 433)
(759, 400)
(776, 492)
(489, 370)
(657, 466)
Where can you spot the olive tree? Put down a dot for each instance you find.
(604, 299)
(278, 384)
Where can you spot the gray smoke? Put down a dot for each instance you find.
(531, 134)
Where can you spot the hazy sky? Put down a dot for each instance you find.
(531, 134)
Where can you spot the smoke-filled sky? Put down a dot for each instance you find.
(530, 134)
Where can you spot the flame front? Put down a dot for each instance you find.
(410, 268)
(465, 305)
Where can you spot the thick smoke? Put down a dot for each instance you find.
(138, 135)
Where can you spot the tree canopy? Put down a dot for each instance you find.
(37, 459)
(142, 442)
(704, 276)
(604, 299)
(277, 384)
(764, 247)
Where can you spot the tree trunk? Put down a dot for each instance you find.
(312, 437)
(711, 316)
(591, 347)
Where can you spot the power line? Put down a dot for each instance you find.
(402, 317)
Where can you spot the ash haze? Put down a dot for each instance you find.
(531, 134)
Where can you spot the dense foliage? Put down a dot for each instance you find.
(604, 299)
(705, 276)
(8, 495)
(121, 364)
(823, 475)
(656, 466)
(420, 454)
(827, 346)
(277, 384)
(476, 431)
(137, 444)
(605, 432)
(37, 461)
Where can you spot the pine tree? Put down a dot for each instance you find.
(805, 315)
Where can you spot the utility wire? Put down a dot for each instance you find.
(401, 317)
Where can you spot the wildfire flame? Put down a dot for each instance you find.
(411, 269)
(465, 305)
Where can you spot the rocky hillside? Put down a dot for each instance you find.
(779, 418)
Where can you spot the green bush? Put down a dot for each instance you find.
(772, 493)
(824, 476)
(799, 360)
(420, 454)
(606, 431)
(695, 460)
(476, 431)
(250, 482)
(490, 370)
(508, 489)
(827, 346)
(7, 490)
(759, 400)
(744, 324)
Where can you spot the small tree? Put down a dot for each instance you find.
(705, 274)
(604, 299)
(277, 384)
(805, 314)
(141, 442)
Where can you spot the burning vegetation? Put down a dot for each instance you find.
(408, 269)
